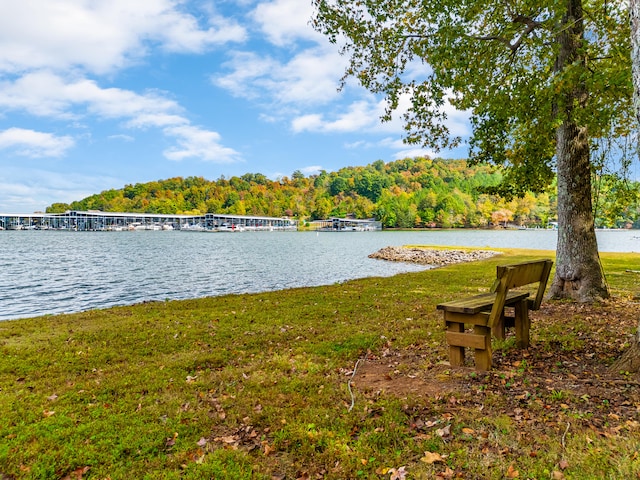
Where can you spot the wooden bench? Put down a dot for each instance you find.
(486, 312)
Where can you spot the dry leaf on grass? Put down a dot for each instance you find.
(432, 457)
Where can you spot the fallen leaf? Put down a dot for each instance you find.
(77, 473)
(468, 431)
(512, 472)
(446, 475)
(268, 449)
(556, 475)
(52, 398)
(202, 442)
(171, 441)
(432, 457)
(563, 464)
(48, 413)
(444, 432)
(398, 473)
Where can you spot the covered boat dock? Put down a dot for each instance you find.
(94, 220)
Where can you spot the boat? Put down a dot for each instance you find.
(195, 227)
(225, 227)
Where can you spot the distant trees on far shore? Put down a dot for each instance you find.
(408, 193)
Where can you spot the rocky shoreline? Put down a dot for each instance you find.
(431, 256)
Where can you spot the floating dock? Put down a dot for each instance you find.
(335, 224)
(119, 221)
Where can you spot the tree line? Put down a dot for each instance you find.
(408, 193)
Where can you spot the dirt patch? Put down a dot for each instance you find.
(402, 375)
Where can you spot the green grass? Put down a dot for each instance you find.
(250, 386)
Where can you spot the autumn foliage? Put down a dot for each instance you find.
(406, 193)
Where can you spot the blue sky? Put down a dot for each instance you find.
(97, 94)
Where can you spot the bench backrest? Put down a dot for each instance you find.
(523, 274)
(501, 288)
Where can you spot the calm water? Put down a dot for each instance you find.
(44, 272)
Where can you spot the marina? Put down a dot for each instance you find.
(92, 221)
(335, 224)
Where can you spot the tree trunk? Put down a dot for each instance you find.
(630, 360)
(579, 274)
(634, 9)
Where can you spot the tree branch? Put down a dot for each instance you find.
(529, 22)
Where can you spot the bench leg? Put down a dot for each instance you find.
(456, 354)
(522, 324)
(499, 328)
(483, 356)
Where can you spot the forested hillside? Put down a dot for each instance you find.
(406, 193)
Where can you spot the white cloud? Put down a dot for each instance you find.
(47, 94)
(122, 137)
(180, 32)
(312, 122)
(39, 39)
(285, 21)
(364, 116)
(413, 153)
(30, 143)
(101, 37)
(312, 169)
(308, 78)
(194, 142)
(155, 119)
(361, 115)
(248, 73)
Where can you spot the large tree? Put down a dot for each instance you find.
(540, 80)
(634, 9)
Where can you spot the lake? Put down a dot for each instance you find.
(48, 272)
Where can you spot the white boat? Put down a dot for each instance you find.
(225, 227)
(196, 227)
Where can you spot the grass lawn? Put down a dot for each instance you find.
(339, 382)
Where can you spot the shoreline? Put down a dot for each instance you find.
(431, 256)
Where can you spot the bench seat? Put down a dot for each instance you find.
(481, 303)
